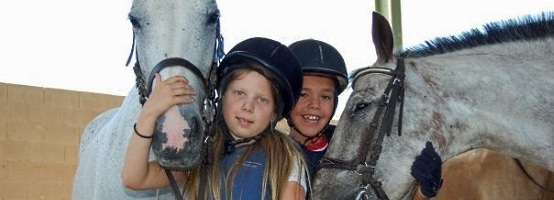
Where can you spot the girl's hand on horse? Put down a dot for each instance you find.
(167, 93)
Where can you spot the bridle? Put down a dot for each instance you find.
(209, 84)
(145, 88)
(382, 122)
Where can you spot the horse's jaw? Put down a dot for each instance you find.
(393, 168)
(397, 183)
(345, 184)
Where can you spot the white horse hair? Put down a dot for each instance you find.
(491, 88)
(163, 29)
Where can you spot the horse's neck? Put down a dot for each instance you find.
(131, 101)
(121, 120)
(483, 97)
(394, 166)
(129, 110)
(497, 97)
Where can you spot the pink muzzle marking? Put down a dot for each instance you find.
(174, 127)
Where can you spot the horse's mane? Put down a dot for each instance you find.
(524, 28)
(527, 27)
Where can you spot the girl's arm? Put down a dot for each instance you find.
(138, 173)
(295, 187)
(293, 190)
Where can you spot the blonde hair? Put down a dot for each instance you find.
(281, 154)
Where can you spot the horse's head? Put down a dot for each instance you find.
(177, 38)
(452, 89)
(355, 147)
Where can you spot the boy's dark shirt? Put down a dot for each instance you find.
(312, 157)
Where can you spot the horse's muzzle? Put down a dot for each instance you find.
(177, 140)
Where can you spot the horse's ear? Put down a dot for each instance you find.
(382, 38)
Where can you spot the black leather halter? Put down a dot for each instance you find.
(382, 122)
(145, 88)
(208, 109)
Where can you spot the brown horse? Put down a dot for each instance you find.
(481, 174)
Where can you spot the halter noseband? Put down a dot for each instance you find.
(382, 122)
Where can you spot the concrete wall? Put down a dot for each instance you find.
(40, 130)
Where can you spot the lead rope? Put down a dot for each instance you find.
(173, 184)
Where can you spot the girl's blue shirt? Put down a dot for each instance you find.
(248, 180)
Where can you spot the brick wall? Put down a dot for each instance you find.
(40, 130)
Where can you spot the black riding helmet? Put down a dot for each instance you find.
(274, 56)
(323, 59)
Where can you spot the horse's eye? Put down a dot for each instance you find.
(360, 105)
(134, 21)
(214, 18)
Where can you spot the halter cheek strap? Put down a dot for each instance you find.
(319, 137)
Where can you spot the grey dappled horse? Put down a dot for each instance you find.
(172, 38)
(490, 88)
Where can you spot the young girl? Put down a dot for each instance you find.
(258, 84)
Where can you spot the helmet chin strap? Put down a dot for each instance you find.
(318, 142)
(231, 143)
(308, 138)
(311, 139)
